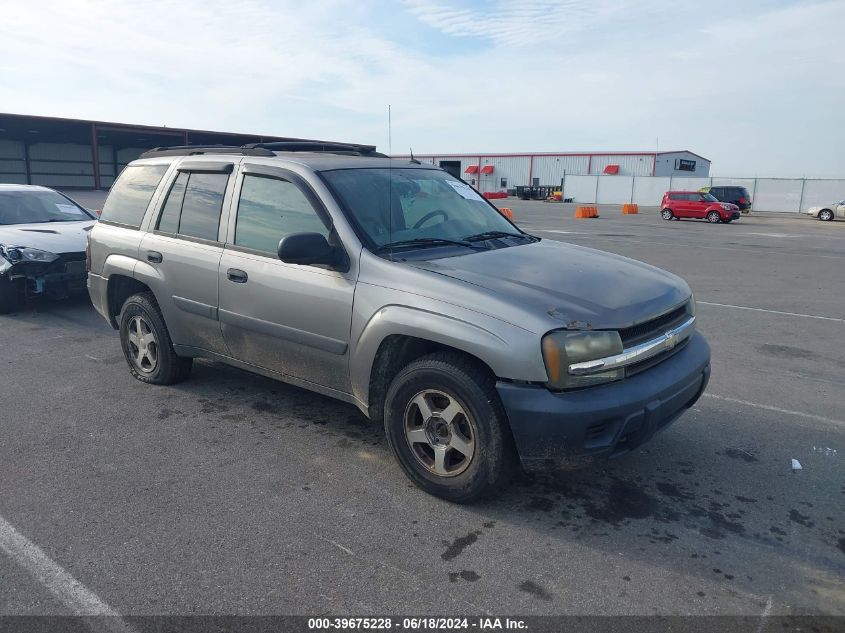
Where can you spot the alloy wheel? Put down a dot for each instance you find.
(143, 345)
(439, 432)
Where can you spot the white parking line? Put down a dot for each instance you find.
(67, 589)
(634, 239)
(795, 314)
(767, 407)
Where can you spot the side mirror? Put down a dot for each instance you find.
(306, 248)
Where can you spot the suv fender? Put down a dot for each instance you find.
(517, 355)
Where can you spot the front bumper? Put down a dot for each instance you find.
(556, 431)
(59, 278)
(735, 215)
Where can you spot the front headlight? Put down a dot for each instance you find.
(562, 348)
(726, 207)
(17, 254)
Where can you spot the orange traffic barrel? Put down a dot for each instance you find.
(630, 209)
(505, 211)
(586, 212)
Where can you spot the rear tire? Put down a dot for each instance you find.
(447, 427)
(825, 215)
(713, 217)
(667, 214)
(10, 296)
(147, 345)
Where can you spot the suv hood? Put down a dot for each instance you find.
(53, 237)
(567, 285)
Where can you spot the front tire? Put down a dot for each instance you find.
(146, 343)
(825, 215)
(713, 217)
(667, 214)
(447, 427)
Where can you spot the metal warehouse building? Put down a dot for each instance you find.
(499, 172)
(80, 154)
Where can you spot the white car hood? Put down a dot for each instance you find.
(53, 237)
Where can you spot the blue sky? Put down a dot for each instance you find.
(757, 87)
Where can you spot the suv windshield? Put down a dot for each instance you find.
(33, 207)
(417, 208)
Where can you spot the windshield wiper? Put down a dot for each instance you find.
(426, 242)
(489, 235)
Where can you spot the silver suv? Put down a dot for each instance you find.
(396, 287)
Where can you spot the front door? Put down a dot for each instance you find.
(698, 205)
(289, 318)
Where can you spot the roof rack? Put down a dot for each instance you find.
(191, 150)
(328, 147)
(268, 149)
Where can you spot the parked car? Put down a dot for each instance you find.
(731, 194)
(828, 212)
(398, 288)
(694, 204)
(42, 244)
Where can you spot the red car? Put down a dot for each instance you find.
(695, 204)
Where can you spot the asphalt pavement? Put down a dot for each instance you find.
(235, 494)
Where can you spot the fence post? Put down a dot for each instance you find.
(670, 182)
(633, 180)
(596, 197)
(801, 198)
(754, 191)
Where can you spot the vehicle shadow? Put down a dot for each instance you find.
(689, 501)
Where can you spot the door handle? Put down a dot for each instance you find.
(154, 257)
(237, 275)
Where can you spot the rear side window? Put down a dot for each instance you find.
(169, 219)
(270, 209)
(131, 194)
(193, 205)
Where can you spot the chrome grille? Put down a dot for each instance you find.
(654, 327)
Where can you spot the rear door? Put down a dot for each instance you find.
(288, 318)
(184, 248)
(681, 205)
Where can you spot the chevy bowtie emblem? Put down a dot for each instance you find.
(671, 339)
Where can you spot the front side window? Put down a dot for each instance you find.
(193, 206)
(395, 205)
(708, 197)
(270, 209)
(131, 194)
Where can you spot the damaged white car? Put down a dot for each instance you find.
(43, 236)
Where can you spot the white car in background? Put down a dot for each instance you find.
(835, 210)
(43, 235)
